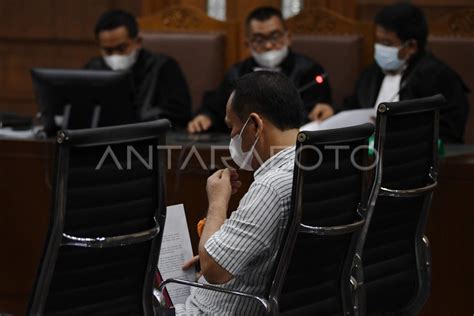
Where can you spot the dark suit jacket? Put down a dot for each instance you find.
(161, 90)
(425, 76)
(300, 69)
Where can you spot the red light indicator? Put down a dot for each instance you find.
(319, 79)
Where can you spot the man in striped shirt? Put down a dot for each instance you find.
(238, 253)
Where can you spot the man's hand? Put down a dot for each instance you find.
(234, 181)
(219, 188)
(199, 124)
(194, 261)
(320, 112)
(221, 185)
(191, 262)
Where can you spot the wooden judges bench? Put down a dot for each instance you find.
(27, 170)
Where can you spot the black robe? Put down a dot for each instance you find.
(161, 90)
(425, 76)
(300, 69)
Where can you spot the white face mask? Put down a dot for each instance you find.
(387, 57)
(272, 58)
(241, 158)
(121, 62)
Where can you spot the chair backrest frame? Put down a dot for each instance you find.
(68, 139)
(351, 271)
(385, 111)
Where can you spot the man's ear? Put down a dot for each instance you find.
(289, 38)
(411, 48)
(247, 43)
(139, 40)
(257, 122)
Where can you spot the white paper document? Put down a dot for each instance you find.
(343, 119)
(175, 250)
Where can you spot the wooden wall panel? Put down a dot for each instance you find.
(149, 7)
(46, 33)
(59, 33)
(76, 19)
(18, 57)
(367, 9)
(348, 8)
(26, 18)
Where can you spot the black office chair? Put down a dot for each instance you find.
(316, 272)
(104, 234)
(329, 202)
(396, 257)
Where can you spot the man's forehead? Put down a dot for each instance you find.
(118, 34)
(382, 32)
(228, 106)
(230, 115)
(265, 27)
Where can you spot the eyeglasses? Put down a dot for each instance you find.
(275, 38)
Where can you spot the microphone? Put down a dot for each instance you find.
(317, 80)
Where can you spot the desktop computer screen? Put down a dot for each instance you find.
(76, 99)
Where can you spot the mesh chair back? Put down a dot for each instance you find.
(393, 255)
(104, 235)
(329, 192)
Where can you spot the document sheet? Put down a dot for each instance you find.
(175, 250)
(343, 119)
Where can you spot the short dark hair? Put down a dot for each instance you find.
(270, 94)
(116, 18)
(406, 20)
(262, 14)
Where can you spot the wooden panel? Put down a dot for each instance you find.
(66, 19)
(456, 24)
(152, 6)
(26, 18)
(450, 226)
(347, 8)
(26, 171)
(442, 3)
(433, 9)
(320, 21)
(47, 33)
(18, 57)
(457, 29)
(76, 19)
(185, 18)
(132, 6)
(239, 9)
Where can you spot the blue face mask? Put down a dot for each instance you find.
(387, 57)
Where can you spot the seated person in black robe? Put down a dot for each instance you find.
(269, 43)
(161, 90)
(404, 69)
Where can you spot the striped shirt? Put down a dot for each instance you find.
(247, 243)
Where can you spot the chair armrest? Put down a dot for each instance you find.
(331, 230)
(112, 241)
(264, 302)
(409, 192)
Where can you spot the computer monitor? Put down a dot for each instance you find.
(76, 99)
